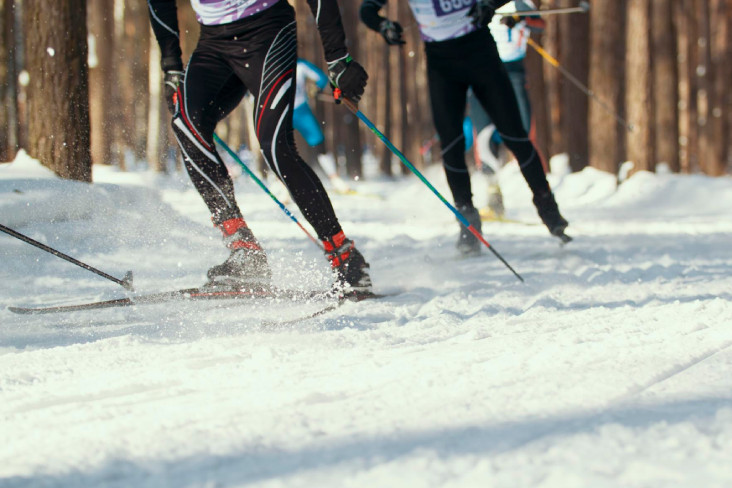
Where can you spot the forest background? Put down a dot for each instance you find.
(655, 73)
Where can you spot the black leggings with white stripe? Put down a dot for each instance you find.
(257, 54)
(472, 61)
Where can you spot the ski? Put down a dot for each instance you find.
(187, 294)
(202, 293)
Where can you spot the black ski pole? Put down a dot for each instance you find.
(126, 282)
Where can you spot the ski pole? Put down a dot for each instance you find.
(583, 7)
(126, 282)
(353, 108)
(628, 126)
(264, 187)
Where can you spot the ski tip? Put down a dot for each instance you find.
(22, 310)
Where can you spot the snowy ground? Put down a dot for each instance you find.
(610, 366)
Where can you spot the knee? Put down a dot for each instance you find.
(186, 131)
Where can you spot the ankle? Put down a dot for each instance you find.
(338, 249)
(237, 235)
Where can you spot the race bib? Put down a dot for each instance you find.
(447, 7)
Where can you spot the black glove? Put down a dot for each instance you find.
(510, 21)
(348, 76)
(482, 12)
(392, 32)
(173, 79)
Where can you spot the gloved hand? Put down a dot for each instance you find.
(510, 21)
(392, 32)
(173, 79)
(482, 12)
(348, 76)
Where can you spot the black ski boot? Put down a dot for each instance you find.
(352, 270)
(467, 243)
(247, 264)
(548, 210)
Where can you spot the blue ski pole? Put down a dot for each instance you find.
(264, 187)
(353, 108)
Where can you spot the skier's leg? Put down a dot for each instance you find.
(517, 75)
(448, 98)
(270, 74)
(448, 106)
(493, 89)
(210, 91)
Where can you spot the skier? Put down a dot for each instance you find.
(462, 54)
(511, 34)
(307, 125)
(251, 45)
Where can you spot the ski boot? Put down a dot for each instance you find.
(467, 243)
(548, 210)
(352, 270)
(247, 264)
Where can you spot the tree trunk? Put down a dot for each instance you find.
(607, 52)
(137, 36)
(575, 56)
(9, 126)
(58, 93)
(723, 109)
(416, 106)
(157, 117)
(665, 84)
(385, 81)
(705, 93)
(350, 128)
(539, 113)
(553, 85)
(690, 162)
(639, 100)
(101, 79)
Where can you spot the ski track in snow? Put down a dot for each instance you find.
(608, 367)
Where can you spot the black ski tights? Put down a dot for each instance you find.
(261, 59)
(472, 61)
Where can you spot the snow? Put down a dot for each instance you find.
(610, 365)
